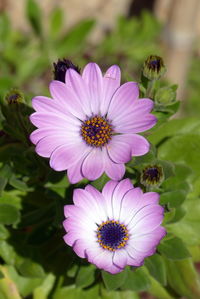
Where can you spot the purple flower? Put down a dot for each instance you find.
(115, 228)
(89, 125)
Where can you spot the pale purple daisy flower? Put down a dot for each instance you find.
(115, 228)
(89, 125)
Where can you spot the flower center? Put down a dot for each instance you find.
(112, 235)
(96, 131)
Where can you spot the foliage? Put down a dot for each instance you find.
(34, 260)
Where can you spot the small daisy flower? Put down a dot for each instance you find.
(115, 228)
(90, 124)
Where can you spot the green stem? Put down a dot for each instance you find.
(150, 89)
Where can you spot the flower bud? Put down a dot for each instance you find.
(165, 96)
(152, 176)
(14, 96)
(61, 67)
(154, 67)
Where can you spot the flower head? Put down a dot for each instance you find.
(152, 175)
(154, 67)
(90, 124)
(115, 228)
(61, 67)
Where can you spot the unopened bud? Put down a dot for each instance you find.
(154, 67)
(152, 176)
(61, 67)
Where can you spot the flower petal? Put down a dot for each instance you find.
(118, 150)
(111, 82)
(120, 258)
(67, 98)
(125, 97)
(42, 120)
(147, 223)
(137, 110)
(66, 155)
(146, 242)
(40, 133)
(132, 200)
(113, 170)
(48, 144)
(138, 144)
(92, 76)
(80, 89)
(45, 104)
(87, 202)
(103, 259)
(93, 165)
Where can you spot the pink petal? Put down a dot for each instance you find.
(107, 193)
(38, 134)
(129, 124)
(92, 76)
(48, 144)
(111, 82)
(93, 164)
(67, 98)
(138, 144)
(80, 246)
(119, 192)
(66, 155)
(147, 242)
(144, 212)
(137, 109)
(148, 223)
(113, 170)
(74, 172)
(84, 199)
(118, 150)
(102, 259)
(45, 104)
(151, 197)
(39, 120)
(123, 99)
(131, 202)
(80, 89)
(120, 258)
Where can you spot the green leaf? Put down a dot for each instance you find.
(31, 269)
(34, 16)
(99, 183)
(42, 292)
(4, 233)
(56, 22)
(1, 274)
(3, 183)
(173, 198)
(24, 285)
(174, 249)
(7, 253)
(74, 40)
(185, 148)
(17, 184)
(173, 128)
(137, 280)
(69, 292)
(156, 266)
(113, 282)
(85, 276)
(8, 214)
